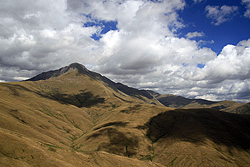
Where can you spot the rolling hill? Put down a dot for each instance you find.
(76, 117)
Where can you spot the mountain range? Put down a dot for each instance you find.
(75, 117)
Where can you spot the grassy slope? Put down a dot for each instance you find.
(38, 130)
(241, 109)
(200, 137)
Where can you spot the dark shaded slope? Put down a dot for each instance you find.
(179, 101)
(199, 137)
(132, 91)
(198, 125)
(83, 99)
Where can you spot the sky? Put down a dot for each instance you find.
(191, 48)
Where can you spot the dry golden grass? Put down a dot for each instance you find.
(41, 125)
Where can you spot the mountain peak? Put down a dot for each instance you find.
(55, 73)
(77, 66)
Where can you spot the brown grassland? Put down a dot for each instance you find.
(76, 120)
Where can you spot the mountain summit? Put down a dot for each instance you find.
(55, 73)
(79, 67)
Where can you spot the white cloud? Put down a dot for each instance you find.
(221, 14)
(226, 76)
(143, 52)
(232, 63)
(211, 97)
(191, 35)
(247, 13)
(38, 36)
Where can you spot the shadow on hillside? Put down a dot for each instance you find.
(14, 89)
(84, 99)
(131, 109)
(118, 142)
(197, 125)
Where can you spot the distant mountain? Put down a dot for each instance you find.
(181, 102)
(174, 101)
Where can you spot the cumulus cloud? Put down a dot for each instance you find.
(37, 36)
(247, 3)
(143, 50)
(191, 35)
(227, 76)
(231, 63)
(221, 14)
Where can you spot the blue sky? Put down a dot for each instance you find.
(105, 26)
(192, 48)
(235, 29)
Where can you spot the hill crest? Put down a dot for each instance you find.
(56, 73)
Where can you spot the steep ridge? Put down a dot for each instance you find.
(75, 118)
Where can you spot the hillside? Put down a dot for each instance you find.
(242, 109)
(174, 101)
(75, 117)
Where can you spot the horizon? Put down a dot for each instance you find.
(191, 48)
(27, 79)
